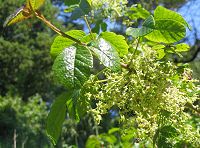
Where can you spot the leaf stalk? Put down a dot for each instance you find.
(54, 28)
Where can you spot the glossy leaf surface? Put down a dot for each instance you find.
(117, 41)
(72, 66)
(106, 54)
(60, 42)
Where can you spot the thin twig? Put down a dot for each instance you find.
(54, 28)
(138, 41)
(88, 25)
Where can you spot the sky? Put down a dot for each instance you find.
(191, 12)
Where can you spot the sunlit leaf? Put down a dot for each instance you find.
(113, 130)
(162, 13)
(106, 54)
(60, 42)
(93, 142)
(159, 46)
(147, 27)
(19, 15)
(35, 4)
(88, 38)
(108, 138)
(160, 54)
(169, 26)
(137, 12)
(72, 66)
(182, 47)
(117, 41)
(167, 32)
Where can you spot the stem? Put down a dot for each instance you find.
(189, 105)
(15, 139)
(138, 41)
(124, 65)
(76, 140)
(96, 129)
(101, 81)
(54, 28)
(88, 25)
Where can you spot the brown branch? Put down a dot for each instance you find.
(54, 28)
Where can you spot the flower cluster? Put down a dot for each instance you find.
(109, 8)
(152, 93)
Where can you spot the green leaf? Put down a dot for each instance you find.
(72, 66)
(113, 130)
(182, 47)
(111, 139)
(93, 142)
(167, 32)
(117, 41)
(71, 8)
(19, 15)
(72, 105)
(161, 54)
(169, 26)
(159, 46)
(60, 43)
(129, 135)
(71, 2)
(89, 38)
(84, 9)
(147, 27)
(137, 12)
(35, 4)
(77, 105)
(168, 131)
(100, 25)
(83, 104)
(85, 6)
(163, 143)
(56, 117)
(165, 113)
(106, 54)
(104, 26)
(162, 13)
